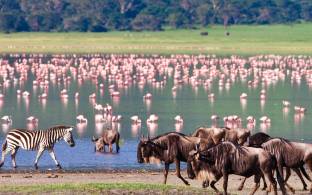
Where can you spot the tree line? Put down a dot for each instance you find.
(137, 15)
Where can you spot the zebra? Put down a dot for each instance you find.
(36, 140)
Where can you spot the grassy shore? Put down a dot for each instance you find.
(243, 40)
(101, 188)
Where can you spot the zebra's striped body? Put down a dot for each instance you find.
(36, 140)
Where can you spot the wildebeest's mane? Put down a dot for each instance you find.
(278, 147)
(221, 152)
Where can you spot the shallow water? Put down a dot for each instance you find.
(189, 101)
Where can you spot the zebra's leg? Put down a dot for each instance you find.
(52, 154)
(38, 156)
(13, 154)
(4, 153)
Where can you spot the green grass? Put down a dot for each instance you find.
(96, 188)
(244, 40)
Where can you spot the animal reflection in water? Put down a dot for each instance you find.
(169, 148)
(108, 138)
(40, 140)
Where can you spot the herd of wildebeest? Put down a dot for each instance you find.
(213, 153)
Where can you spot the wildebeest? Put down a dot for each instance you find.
(290, 154)
(257, 140)
(109, 137)
(237, 135)
(226, 158)
(169, 148)
(213, 135)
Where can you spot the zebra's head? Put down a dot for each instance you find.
(68, 137)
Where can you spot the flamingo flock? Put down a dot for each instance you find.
(117, 73)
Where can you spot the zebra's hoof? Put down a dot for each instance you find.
(36, 166)
(1, 164)
(59, 166)
(14, 167)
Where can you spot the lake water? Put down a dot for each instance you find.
(190, 99)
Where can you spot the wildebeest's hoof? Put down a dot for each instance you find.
(305, 188)
(59, 166)
(36, 166)
(264, 188)
(1, 164)
(14, 167)
(240, 188)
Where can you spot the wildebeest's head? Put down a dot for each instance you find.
(257, 139)
(149, 152)
(99, 144)
(68, 136)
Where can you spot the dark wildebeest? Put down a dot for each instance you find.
(169, 148)
(257, 140)
(109, 137)
(226, 158)
(290, 154)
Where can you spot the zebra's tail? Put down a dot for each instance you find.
(4, 146)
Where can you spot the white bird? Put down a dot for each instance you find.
(243, 96)
(153, 118)
(81, 119)
(6, 119)
(286, 103)
(265, 119)
(178, 119)
(32, 119)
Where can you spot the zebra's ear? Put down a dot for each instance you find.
(71, 128)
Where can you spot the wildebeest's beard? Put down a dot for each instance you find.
(190, 168)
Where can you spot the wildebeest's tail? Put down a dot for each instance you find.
(279, 174)
(305, 173)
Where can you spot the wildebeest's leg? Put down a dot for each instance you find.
(280, 178)
(110, 148)
(264, 182)
(205, 184)
(212, 185)
(269, 176)
(309, 163)
(242, 184)
(303, 171)
(297, 171)
(41, 149)
(52, 154)
(13, 154)
(166, 172)
(117, 144)
(179, 173)
(286, 179)
(257, 184)
(225, 182)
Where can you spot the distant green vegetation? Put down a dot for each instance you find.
(138, 15)
(243, 40)
(96, 188)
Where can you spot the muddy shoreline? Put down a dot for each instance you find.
(31, 177)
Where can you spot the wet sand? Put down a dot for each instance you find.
(103, 176)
